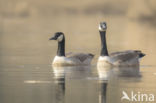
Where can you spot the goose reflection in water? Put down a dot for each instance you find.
(62, 74)
(68, 72)
(59, 75)
(106, 73)
(103, 73)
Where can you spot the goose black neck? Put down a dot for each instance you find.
(104, 51)
(61, 48)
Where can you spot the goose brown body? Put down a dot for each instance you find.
(123, 58)
(73, 59)
(70, 59)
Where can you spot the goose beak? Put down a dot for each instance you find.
(53, 38)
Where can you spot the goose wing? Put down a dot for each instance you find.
(80, 56)
(127, 55)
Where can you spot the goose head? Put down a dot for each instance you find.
(59, 36)
(102, 26)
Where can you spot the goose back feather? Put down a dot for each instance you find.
(124, 58)
(73, 59)
(127, 55)
(82, 57)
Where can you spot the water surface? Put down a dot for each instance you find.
(26, 74)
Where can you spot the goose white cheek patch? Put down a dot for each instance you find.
(60, 38)
(102, 27)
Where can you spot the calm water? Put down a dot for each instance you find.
(26, 74)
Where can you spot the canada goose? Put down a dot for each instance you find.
(70, 59)
(123, 58)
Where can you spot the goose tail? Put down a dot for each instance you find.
(140, 53)
(91, 55)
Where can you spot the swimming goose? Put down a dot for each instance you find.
(70, 59)
(123, 58)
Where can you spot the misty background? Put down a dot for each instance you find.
(26, 26)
